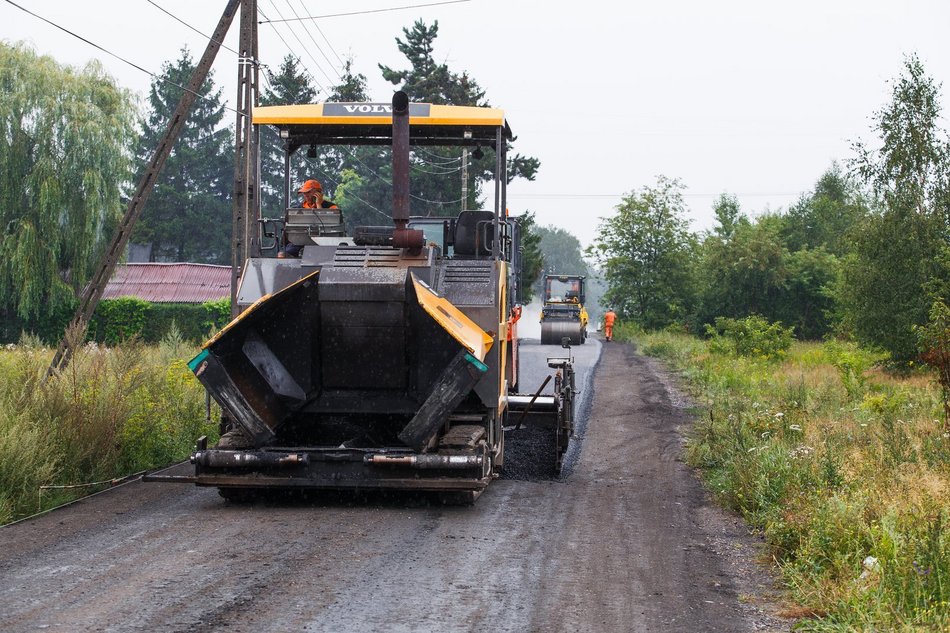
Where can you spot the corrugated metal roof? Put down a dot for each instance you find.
(170, 283)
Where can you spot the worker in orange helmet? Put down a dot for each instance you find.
(312, 192)
(313, 198)
(515, 316)
(609, 319)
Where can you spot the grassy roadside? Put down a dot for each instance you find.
(112, 412)
(843, 467)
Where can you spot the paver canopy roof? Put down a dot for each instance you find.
(357, 120)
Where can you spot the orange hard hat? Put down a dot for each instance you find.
(310, 185)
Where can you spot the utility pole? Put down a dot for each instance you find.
(76, 330)
(245, 241)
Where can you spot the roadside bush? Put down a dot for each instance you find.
(933, 340)
(752, 336)
(111, 412)
(852, 363)
(849, 486)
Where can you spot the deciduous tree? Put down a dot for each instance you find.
(645, 252)
(899, 265)
(65, 144)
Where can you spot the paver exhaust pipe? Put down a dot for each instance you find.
(402, 237)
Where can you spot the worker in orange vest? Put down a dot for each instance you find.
(312, 192)
(313, 198)
(609, 319)
(515, 316)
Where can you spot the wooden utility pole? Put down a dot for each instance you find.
(93, 291)
(247, 208)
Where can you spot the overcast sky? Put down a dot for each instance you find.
(754, 98)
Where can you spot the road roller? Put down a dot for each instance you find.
(563, 316)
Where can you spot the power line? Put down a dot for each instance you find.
(175, 17)
(445, 160)
(338, 15)
(314, 40)
(257, 62)
(296, 57)
(389, 182)
(320, 31)
(302, 46)
(117, 56)
(621, 195)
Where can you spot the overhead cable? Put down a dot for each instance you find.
(337, 15)
(175, 17)
(325, 39)
(318, 47)
(115, 55)
(302, 46)
(296, 57)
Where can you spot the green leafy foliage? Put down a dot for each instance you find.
(933, 341)
(753, 337)
(532, 259)
(65, 139)
(852, 363)
(899, 264)
(645, 252)
(122, 318)
(118, 320)
(113, 412)
(188, 214)
(826, 218)
(848, 488)
(745, 273)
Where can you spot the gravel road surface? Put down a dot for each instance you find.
(626, 540)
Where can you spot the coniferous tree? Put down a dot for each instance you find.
(436, 172)
(188, 215)
(532, 260)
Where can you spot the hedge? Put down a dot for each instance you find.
(120, 319)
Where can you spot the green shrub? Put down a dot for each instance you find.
(752, 336)
(122, 319)
(111, 412)
(852, 363)
(217, 314)
(933, 341)
(850, 491)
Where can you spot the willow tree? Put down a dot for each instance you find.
(65, 146)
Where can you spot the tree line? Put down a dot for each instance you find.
(864, 254)
(72, 142)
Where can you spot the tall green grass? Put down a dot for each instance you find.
(112, 412)
(844, 468)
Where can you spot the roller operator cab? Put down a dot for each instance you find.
(378, 357)
(563, 315)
